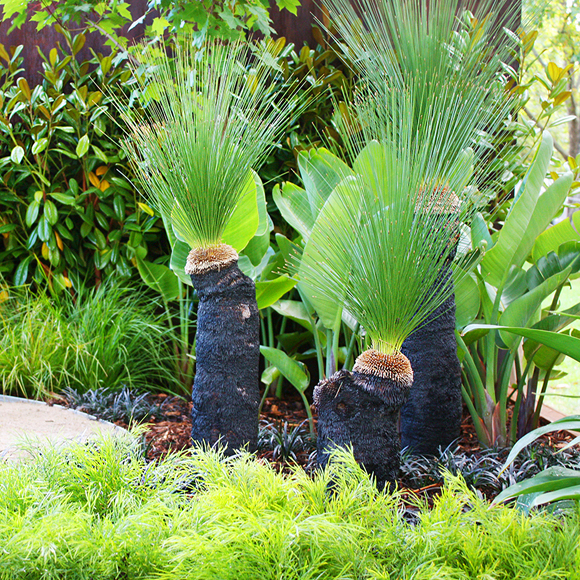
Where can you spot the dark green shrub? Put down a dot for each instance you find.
(67, 208)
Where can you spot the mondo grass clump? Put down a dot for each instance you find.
(212, 115)
(99, 511)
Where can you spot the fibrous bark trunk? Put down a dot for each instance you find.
(431, 417)
(225, 391)
(362, 410)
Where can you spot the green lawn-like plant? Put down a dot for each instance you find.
(89, 344)
(97, 510)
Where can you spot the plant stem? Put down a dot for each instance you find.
(308, 412)
(540, 403)
(350, 349)
(479, 394)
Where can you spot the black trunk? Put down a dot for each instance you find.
(350, 414)
(226, 386)
(431, 418)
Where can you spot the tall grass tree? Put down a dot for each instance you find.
(213, 115)
(385, 240)
(452, 57)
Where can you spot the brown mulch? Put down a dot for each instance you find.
(171, 432)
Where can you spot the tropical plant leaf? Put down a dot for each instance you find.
(296, 372)
(270, 291)
(552, 484)
(467, 301)
(521, 311)
(178, 260)
(159, 277)
(551, 239)
(530, 214)
(568, 345)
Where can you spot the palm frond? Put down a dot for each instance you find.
(214, 114)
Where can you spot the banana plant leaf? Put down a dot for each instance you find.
(521, 311)
(554, 237)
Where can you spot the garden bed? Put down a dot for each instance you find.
(285, 442)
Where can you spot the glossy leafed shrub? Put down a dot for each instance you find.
(67, 206)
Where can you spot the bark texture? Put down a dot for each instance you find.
(350, 413)
(431, 418)
(226, 392)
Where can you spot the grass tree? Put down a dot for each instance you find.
(384, 241)
(452, 62)
(212, 116)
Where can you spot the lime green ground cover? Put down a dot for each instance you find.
(98, 511)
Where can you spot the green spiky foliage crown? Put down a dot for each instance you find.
(432, 89)
(212, 115)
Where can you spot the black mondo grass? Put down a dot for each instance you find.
(384, 243)
(213, 115)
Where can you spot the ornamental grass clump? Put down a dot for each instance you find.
(384, 242)
(98, 511)
(213, 115)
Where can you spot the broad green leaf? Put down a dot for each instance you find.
(82, 146)
(259, 244)
(294, 310)
(545, 357)
(520, 311)
(245, 220)
(313, 257)
(554, 237)
(467, 300)
(270, 291)
(160, 278)
(39, 146)
(370, 162)
(568, 345)
(555, 483)
(292, 202)
(21, 273)
(63, 198)
(269, 375)
(178, 260)
(296, 372)
(50, 212)
(321, 172)
(529, 216)
(44, 229)
(480, 233)
(32, 213)
(265, 224)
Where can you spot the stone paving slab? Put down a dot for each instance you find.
(26, 420)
